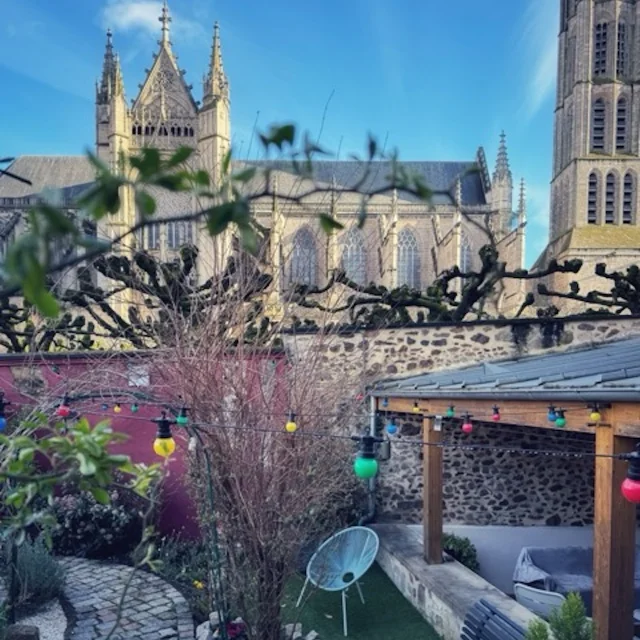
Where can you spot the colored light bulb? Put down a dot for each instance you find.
(416, 407)
(291, 426)
(467, 427)
(631, 485)
(385, 402)
(561, 421)
(451, 412)
(164, 447)
(135, 408)
(365, 468)
(595, 416)
(392, 428)
(495, 416)
(105, 406)
(117, 408)
(3, 423)
(183, 421)
(552, 415)
(63, 411)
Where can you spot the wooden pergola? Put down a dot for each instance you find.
(607, 375)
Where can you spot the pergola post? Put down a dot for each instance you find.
(432, 491)
(614, 545)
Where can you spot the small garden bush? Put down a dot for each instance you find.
(88, 529)
(462, 550)
(567, 622)
(184, 563)
(40, 577)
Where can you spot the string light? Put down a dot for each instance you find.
(164, 444)
(631, 484)
(117, 408)
(365, 466)
(182, 420)
(561, 421)
(467, 425)
(551, 415)
(385, 402)
(291, 426)
(451, 411)
(392, 427)
(3, 418)
(495, 415)
(64, 409)
(105, 406)
(595, 415)
(135, 407)
(416, 407)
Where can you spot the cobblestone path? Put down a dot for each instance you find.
(152, 608)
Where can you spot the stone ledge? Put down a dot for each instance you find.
(441, 593)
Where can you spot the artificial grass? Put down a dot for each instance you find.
(385, 615)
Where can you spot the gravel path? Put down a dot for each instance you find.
(50, 620)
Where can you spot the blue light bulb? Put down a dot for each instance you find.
(392, 428)
(3, 423)
(551, 416)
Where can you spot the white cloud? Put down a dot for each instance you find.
(538, 43)
(142, 16)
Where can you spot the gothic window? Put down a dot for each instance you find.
(592, 202)
(190, 132)
(629, 198)
(152, 236)
(598, 120)
(621, 59)
(303, 268)
(465, 254)
(610, 199)
(621, 125)
(354, 256)
(178, 131)
(147, 130)
(600, 50)
(408, 260)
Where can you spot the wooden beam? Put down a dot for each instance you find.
(432, 492)
(614, 535)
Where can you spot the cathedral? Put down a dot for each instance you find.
(405, 241)
(596, 163)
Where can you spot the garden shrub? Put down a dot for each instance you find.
(567, 622)
(462, 550)
(184, 564)
(40, 577)
(88, 529)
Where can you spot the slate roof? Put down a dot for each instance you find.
(440, 177)
(45, 172)
(603, 372)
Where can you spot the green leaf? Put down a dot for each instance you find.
(180, 156)
(56, 218)
(146, 204)
(101, 495)
(201, 178)
(279, 135)
(87, 466)
(372, 147)
(329, 224)
(111, 195)
(46, 304)
(226, 162)
(149, 163)
(219, 218)
(249, 238)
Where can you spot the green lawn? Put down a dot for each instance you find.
(386, 615)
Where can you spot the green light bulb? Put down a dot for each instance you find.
(183, 421)
(365, 468)
(450, 412)
(561, 421)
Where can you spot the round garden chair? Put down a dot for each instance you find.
(340, 562)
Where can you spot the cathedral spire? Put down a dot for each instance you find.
(118, 82)
(108, 68)
(165, 20)
(502, 170)
(522, 203)
(216, 84)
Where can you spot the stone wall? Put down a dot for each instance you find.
(483, 487)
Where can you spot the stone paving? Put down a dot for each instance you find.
(152, 608)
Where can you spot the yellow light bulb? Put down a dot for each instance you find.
(291, 426)
(117, 409)
(595, 416)
(164, 447)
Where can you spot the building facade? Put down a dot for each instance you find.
(405, 241)
(596, 156)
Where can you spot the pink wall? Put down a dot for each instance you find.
(59, 372)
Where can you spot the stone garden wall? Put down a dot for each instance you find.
(481, 487)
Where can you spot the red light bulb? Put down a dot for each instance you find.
(631, 490)
(631, 485)
(63, 411)
(496, 414)
(467, 427)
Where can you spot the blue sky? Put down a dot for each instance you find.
(435, 79)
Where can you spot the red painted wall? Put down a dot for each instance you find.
(62, 372)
